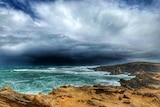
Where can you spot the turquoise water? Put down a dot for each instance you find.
(44, 79)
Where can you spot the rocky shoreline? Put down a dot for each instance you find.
(141, 91)
(130, 68)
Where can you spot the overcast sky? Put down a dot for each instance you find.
(78, 32)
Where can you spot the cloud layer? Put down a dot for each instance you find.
(78, 32)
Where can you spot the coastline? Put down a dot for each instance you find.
(141, 91)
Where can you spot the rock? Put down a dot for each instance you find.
(16, 99)
(64, 86)
(6, 88)
(126, 95)
(149, 95)
(156, 100)
(141, 80)
(120, 97)
(126, 102)
(90, 102)
(108, 90)
(37, 100)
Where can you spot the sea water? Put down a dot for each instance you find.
(35, 79)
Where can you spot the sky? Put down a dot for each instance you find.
(78, 32)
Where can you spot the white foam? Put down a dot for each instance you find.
(33, 70)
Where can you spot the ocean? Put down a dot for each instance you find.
(35, 79)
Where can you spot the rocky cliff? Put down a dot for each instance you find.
(130, 68)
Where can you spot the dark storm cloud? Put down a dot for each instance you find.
(72, 32)
(75, 54)
(65, 52)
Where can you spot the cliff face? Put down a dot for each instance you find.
(86, 96)
(130, 68)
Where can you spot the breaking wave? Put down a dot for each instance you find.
(44, 79)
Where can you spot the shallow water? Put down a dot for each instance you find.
(43, 79)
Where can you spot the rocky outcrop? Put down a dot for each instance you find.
(143, 80)
(130, 68)
(10, 98)
(85, 96)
